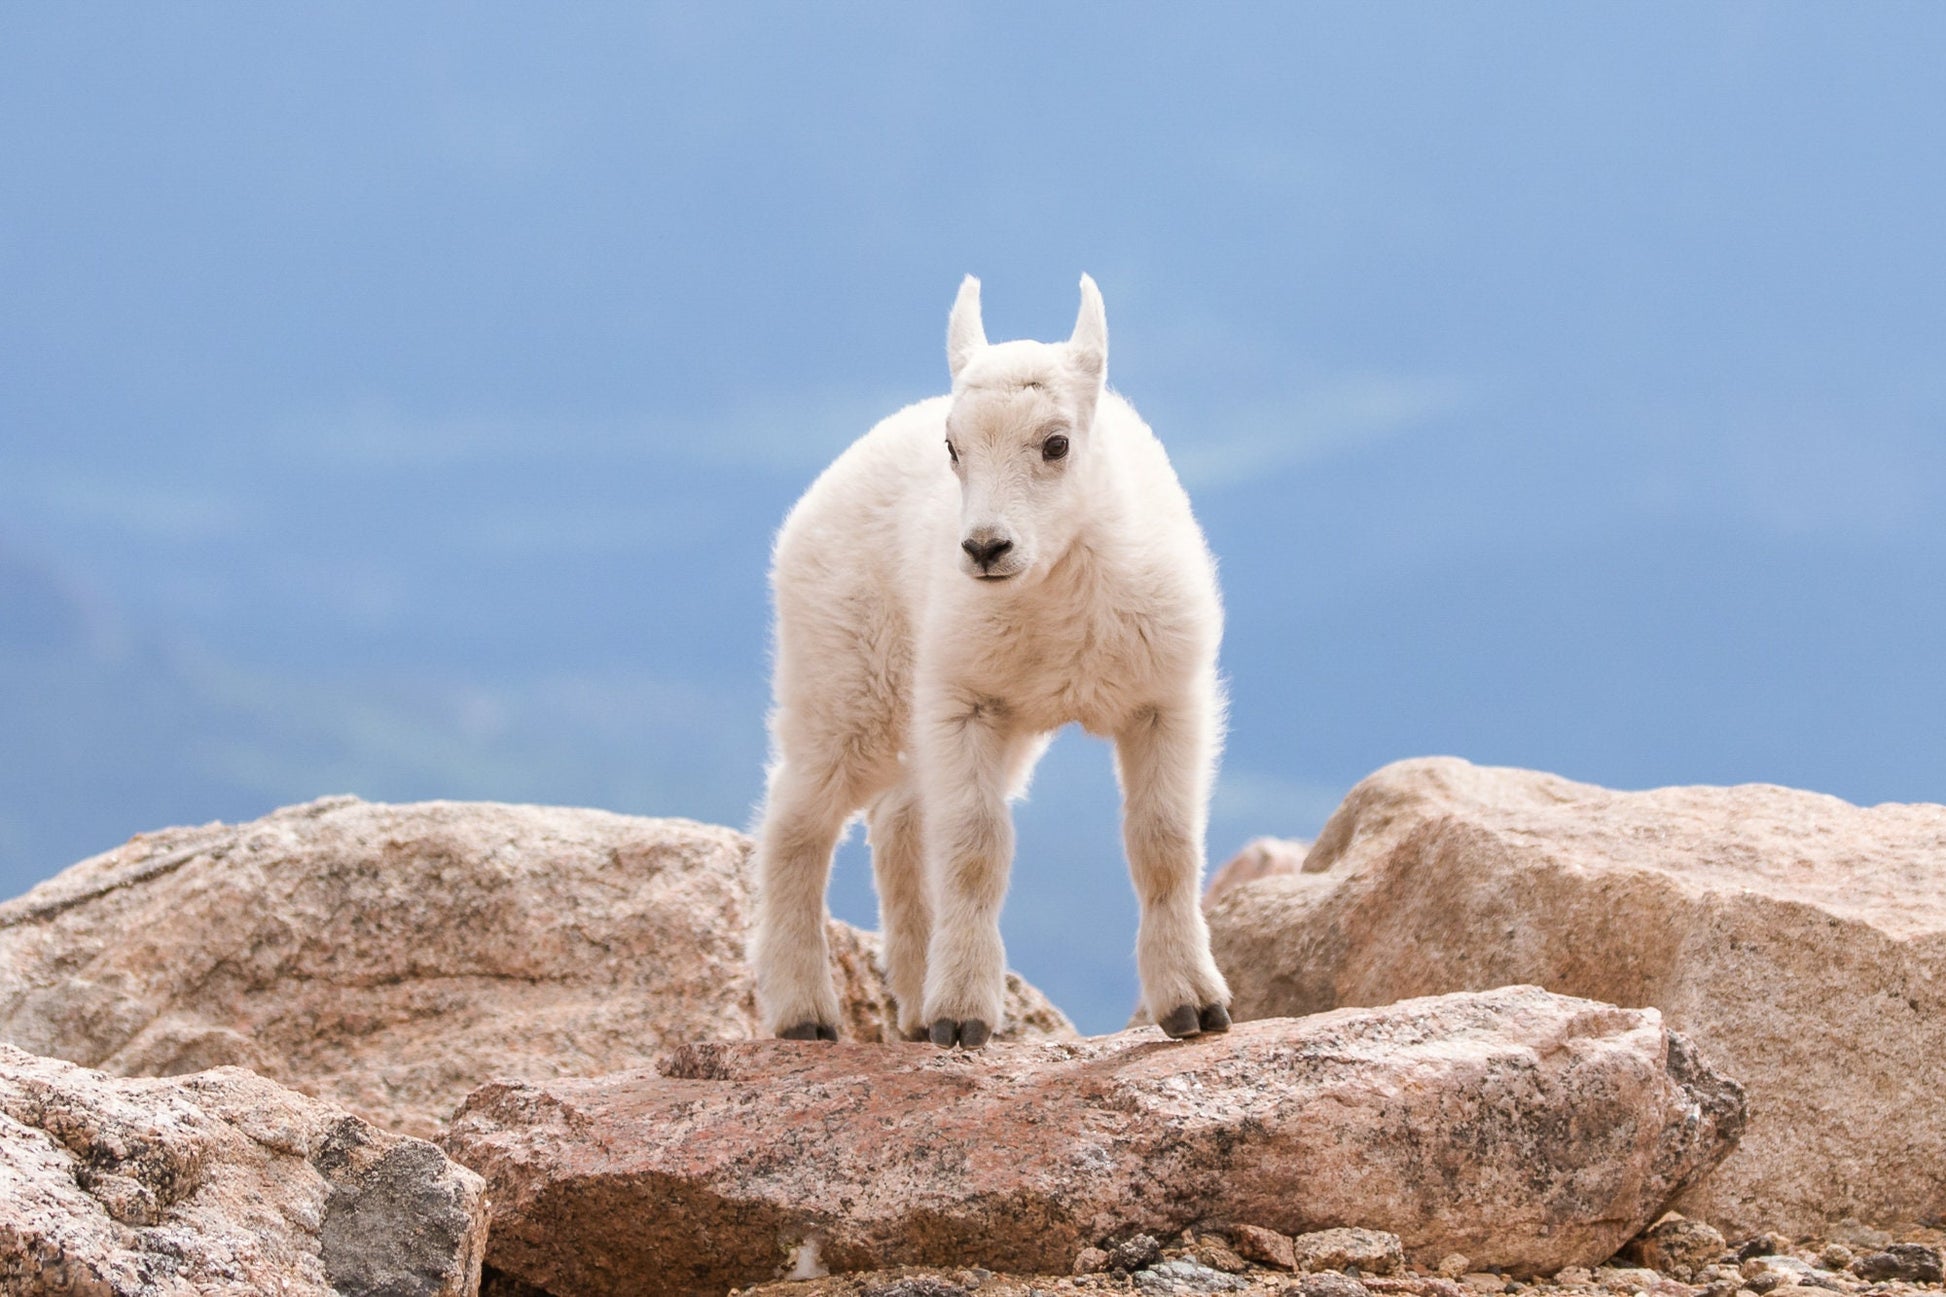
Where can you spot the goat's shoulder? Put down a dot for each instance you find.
(897, 470)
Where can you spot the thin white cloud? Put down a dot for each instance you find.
(791, 432)
(1253, 803)
(1336, 417)
(1872, 470)
(797, 433)
(175, 512)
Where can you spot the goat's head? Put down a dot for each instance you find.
(1019, 436)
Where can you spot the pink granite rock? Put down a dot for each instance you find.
(391, 958)
(1799, 940)
(219, 1184)
(1528, 1130)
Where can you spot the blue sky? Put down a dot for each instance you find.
(401, 402)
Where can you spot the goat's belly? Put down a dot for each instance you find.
(1098, 704)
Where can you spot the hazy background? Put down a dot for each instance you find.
(400, 400)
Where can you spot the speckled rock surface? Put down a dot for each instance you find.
(1258, 1280)
(219, 1184)
(391, 958)
(1527, 1129)
(1800, 941)
(1263, 858)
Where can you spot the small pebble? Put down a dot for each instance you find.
(1265, 1246)
(1218, 1257)
(1863, 1238)
(1331, 1283)
(1453, 1265)
(1372, 1251)
(1788, 1266)
(1909, 1262)
(1137, 1253)
(924, 1285)
(1836, 1256)
(1762, 1245)
(1183, 1276)
(1090, 1259)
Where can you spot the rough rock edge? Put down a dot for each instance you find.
(398, 1218)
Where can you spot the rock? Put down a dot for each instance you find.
(1420, 1286)
(219, 1183)
(1184, 1276)
(1532, 1130)
(1762, 1245)
(1800, 941)
(391, 958)
(919, 1286)
(1910, 1262)
(1263, 858)
(1763, 1273)
(1264, 1246)
(1370, 1251)
(1218, 1256)
(1636, 1279)
(1677, 1246)
(1453, 1265)
(1331, 1283)
(1862, 1237)
(1089, 1260)
(1134, 1253)
(1835, 1256)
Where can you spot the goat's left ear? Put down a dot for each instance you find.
(965, 335)
(1088, 348)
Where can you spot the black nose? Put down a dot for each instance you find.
(984, 552)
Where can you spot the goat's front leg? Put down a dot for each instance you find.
(965, 754)
(1164, 758)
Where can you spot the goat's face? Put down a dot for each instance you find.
(1019, 437)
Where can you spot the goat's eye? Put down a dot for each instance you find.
(1054, 447)
(952, 452)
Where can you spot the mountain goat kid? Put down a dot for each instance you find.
(971, 575)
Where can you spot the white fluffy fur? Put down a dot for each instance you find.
(910, 687)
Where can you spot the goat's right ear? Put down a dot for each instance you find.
(965, 335)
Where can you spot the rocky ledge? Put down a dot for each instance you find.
(220, 1184)
(1799, 940)
(1529, 1130)
(391, 958)
(1225, 1258)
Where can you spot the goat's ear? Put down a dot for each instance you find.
(965, 335)
(1088, 348)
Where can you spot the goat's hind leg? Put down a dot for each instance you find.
(804, 812)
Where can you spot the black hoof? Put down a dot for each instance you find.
(809, 1031)
(1186, 1020)
(967, 1033)
(1180, 1022)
